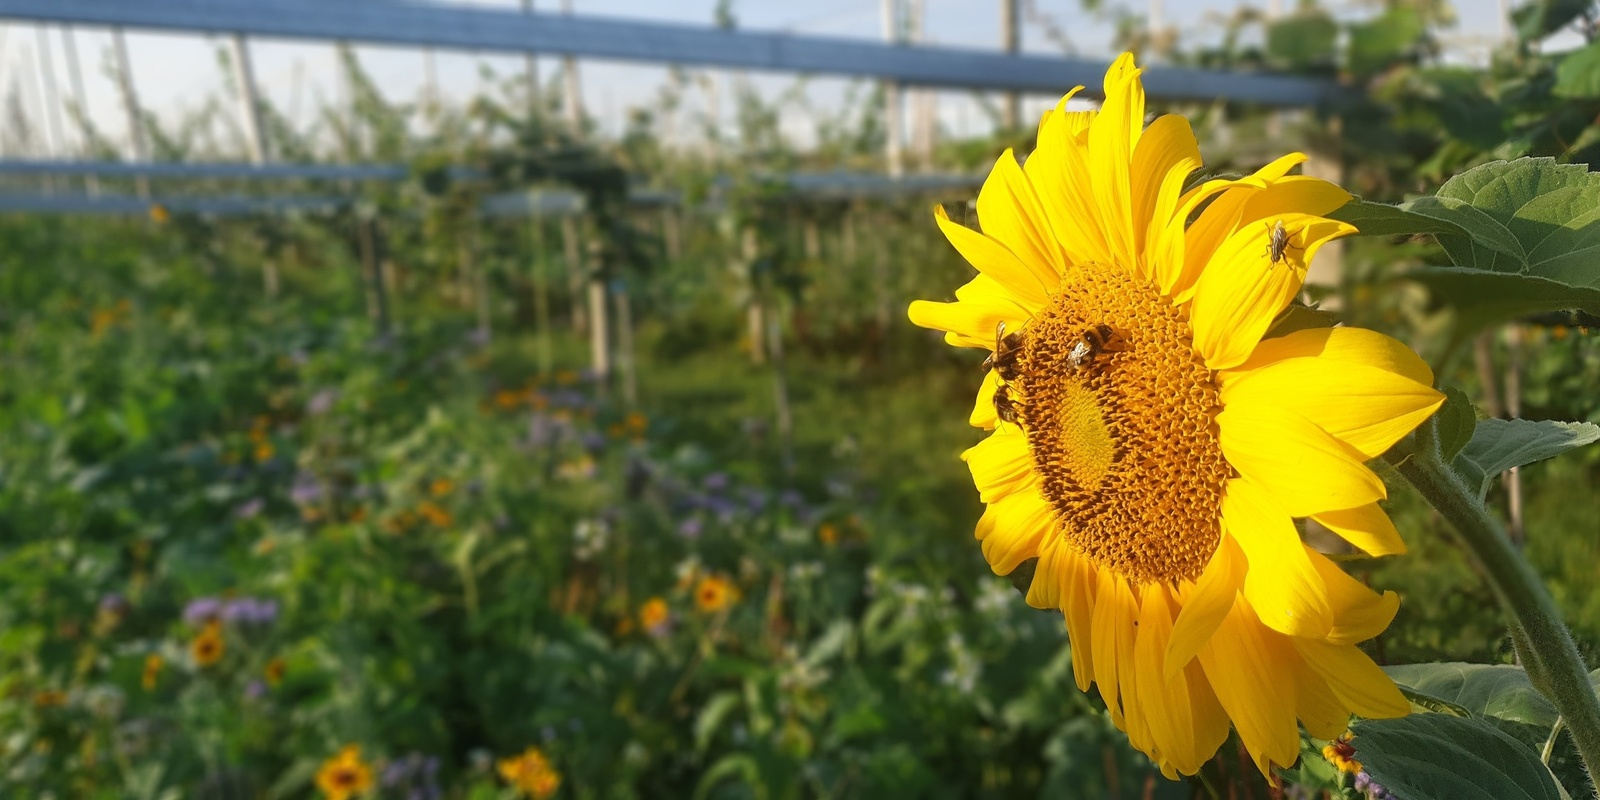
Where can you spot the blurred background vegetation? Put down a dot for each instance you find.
(738, 562)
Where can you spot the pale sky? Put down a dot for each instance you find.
(176, 73)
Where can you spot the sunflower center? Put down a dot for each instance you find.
(1119, 410)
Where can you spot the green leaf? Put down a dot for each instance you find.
(711, 716)
(1022, 576)
(1382, 219)
(1303, 40)
(1579, 73)
(1531, 241)
(1456, 421)
(1500, 444)
(1442, 757)
(1541, 18)
(739, 766)
(1501, 691)
(1380, 42)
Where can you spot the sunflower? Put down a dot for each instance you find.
(530, 773)
(344, 775)
(1153, 450)
(714, 593)
(208, 647)
(654, 615)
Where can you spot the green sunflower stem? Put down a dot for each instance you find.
(1549, 655)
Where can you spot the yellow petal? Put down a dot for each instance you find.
(1012, 528)
(1295, 194)
(983, 413)
(1059, 172)
(1079, 581)
(1357, 346)
(966, 321)
(1319, 709)
(1359, 613)
(1205, 605)
(1112, 137)
(1365, 407)
(1281, 583)
(1000, 465)
(1009, 212)
(1242, 289)
(1354, 679)
(1164, 697)
(1183, 250)
(1302, 467)
(996, 261)
(1111, 639)
(1165, 155)
(1367, 527)
(1252, 672)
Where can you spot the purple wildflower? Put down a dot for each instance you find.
(251, 611)
(202, 610)
(305, 490)
(322, 402)
(690, 528)
(715, 482)
(250, 509)
(791, 499)
(255, 690)
(114, 603)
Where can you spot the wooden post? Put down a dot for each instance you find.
(1011, 43)
(625, 359)
(893, 120)
(377, 294)
(574, 90)
(599, 349)
(671, 234)
(541, 298)
(755, 326)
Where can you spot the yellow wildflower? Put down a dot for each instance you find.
(530, 773)
(653, 615)
(714, 593)
(345, 775)
(152, 671)
(207, 648)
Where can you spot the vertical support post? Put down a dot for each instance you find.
(530, 68)
(625, 359)
(1011, 43)
(755, 313)
(599, 347)
(541, 297)
(572, 254)
(377, 293)
(813, 240)
(130, 107)
(244, 80)
(924, 108)
(430, 82)
(893, 116)
(574, 90)
(671, 233)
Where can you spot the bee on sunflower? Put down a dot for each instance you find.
(1153, 450)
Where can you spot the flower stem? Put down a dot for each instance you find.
(1551, 659)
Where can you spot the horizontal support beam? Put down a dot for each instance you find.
(510, 31)
(134, 206)
(203, 170)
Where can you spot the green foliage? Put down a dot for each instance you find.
(1500, 444)
(1439, 756)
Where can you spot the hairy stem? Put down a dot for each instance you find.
(1551, 659)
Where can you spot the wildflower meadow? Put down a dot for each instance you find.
(1191, 449)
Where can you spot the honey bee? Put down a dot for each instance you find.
(1091, 343)
(1004, 358)
(1004, 407)
(1277, 243)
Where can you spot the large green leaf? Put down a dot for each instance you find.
(1540, 18)
(1579, 73)
(1384, 40)
(1500, 444)
(1501, 691)
(1442, 757)
(1303, 40)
